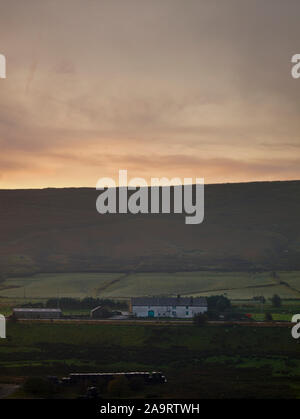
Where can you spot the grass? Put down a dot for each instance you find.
(185, 283)
(276, 316)
(76, 285)
(247, 226)
(199, 362)
(236, 285)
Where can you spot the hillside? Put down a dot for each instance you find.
(249, 226)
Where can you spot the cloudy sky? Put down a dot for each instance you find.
(185, 88)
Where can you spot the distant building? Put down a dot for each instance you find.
(37, 313)
(180, 307)
(99, 312)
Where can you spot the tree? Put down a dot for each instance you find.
(218, 303)
(268, 317)
(276, 301)
(200, 319)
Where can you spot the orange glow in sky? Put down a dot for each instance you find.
(160, 88)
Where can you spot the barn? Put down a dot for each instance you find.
(180, 307)
(37, 313)
(100, 313)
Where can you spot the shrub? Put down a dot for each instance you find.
(218, 303)
(276, 301)
(200, 319)
(268, 317)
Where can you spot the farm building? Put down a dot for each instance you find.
(37, 313)
(180, 307)
(99, 313)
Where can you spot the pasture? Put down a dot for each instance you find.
(236, 285)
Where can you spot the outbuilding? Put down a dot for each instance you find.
(100, 312)
(37, 313)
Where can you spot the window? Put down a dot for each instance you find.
(187, 313)
(187, 307)
(174, 313)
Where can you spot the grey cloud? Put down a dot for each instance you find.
(156, 77)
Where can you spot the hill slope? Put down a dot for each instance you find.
(248, 226)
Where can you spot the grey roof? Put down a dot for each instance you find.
(169, 301)
(96, 308)
(38, 310)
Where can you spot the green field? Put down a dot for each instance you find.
(205, 362)
(236, 285)
(74, 285)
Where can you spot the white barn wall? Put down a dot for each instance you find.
(167, 311)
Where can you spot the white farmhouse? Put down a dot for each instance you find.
(180, 307)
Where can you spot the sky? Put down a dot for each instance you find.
(194, 88)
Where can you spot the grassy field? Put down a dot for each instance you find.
(236, 285)
(199, 362)
(76, 285)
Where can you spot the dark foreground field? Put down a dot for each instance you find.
(199, 362)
